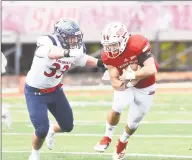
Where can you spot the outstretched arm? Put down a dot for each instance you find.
(89, 61)
(93, 62)
(51, 51)
(45, 48)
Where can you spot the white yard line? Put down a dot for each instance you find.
(107, 87)
(106, 154)
(101, 123)
(100, 135)
(96, 104)
(181, 111)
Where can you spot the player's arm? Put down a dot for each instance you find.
(114, 77)
(57, 52)
(149, 67)
(45, 48)
(87, 60)
(146, 60)
(93, 62)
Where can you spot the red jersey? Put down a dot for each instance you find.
(137, 44)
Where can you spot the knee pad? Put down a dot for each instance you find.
(68, 129)
(41, 132)
(132, 125)
(118, 108)
(133, 122)
(66, 126)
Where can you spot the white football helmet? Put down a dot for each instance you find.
(114, 39)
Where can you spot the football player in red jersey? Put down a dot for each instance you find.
(120, 50)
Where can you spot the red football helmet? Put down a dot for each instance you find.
(114, 39)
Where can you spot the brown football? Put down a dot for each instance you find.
(134, 67)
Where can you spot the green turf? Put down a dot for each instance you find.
(91, 120)
(161, 97)
(167, 129)
(53, 156)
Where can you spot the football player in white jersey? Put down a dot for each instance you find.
(6, 116)
(54, 55)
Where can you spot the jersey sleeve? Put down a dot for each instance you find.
(146, 47)
(44, 44)
(139, 44)
(81, 61)
(144, 51)
(143, 57)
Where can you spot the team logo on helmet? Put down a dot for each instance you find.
(105, 37)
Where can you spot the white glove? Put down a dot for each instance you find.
(76, 53)
(128, 74)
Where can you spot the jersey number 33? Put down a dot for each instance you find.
(54, 70)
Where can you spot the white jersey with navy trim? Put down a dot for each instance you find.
(46, 72)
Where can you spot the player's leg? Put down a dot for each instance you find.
(138, 109)
(63, 114)
(141, 105)
(37, 109)
(121, 99)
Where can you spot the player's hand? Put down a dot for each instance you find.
(128, 74)
(133, 82)
(76, 53)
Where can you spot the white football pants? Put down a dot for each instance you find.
(140, 101)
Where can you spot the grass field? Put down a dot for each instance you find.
(164, 134)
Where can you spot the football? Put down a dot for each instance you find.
(134, 67)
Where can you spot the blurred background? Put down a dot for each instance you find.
(165, 132)
(167, 25)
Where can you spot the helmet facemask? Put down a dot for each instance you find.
(112, 50)
(71, 41)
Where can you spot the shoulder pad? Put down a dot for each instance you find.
(139, 43)
(146, 47)
(44, 40)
